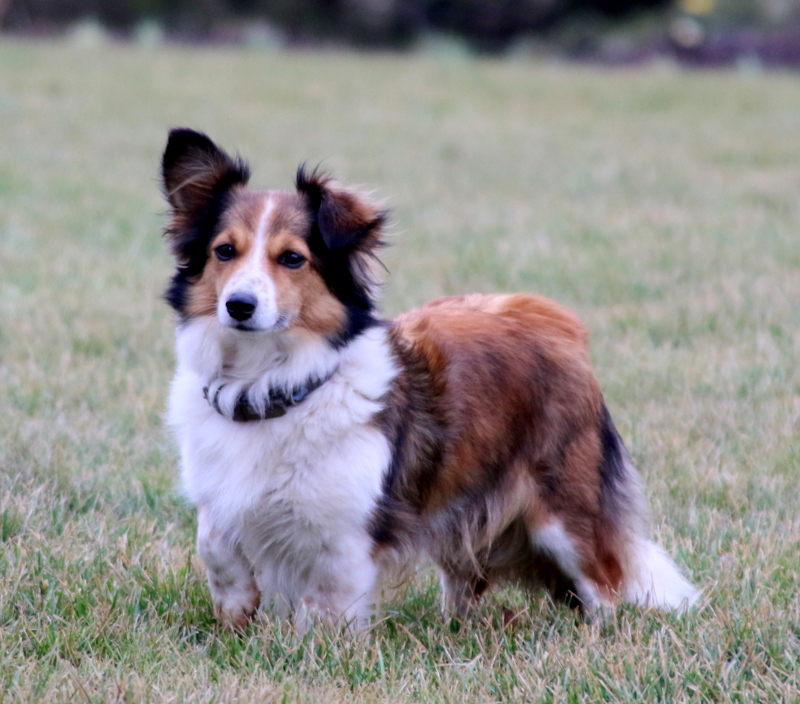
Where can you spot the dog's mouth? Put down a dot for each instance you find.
(280, 324)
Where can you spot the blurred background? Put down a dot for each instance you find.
(747, 33)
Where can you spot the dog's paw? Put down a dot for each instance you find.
(235, 611)
(235, 619)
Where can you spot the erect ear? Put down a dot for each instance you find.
(347, 222)
(197, 176)
(194, 170)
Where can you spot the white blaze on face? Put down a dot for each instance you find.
(252, 280)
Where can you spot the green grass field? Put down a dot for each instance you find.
(663, 207)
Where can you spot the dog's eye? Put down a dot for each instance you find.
(225, 252)
(290, 259)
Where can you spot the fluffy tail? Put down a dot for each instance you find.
(655, 582)
(651, 578)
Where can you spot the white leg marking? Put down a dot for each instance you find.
(554, 541)
(230, 576)
(341, 590)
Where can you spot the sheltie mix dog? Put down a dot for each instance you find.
(324, 446)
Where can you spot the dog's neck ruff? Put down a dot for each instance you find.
(276, 403)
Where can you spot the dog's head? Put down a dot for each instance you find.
(266, 261)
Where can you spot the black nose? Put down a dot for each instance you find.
(241, 306)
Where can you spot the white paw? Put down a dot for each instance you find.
(235, 608)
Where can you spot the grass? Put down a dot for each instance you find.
(662, 206)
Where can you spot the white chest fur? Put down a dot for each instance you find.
(291, 496)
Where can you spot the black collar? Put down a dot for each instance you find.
(276, 404)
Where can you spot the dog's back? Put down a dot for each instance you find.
(532, 482)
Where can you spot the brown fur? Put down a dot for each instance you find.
(500, 434)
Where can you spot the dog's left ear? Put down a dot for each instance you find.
(347, 222)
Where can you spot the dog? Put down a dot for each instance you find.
(325, 447)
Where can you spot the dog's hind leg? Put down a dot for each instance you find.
(555, 542)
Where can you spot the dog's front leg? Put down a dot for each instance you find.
(459, 594)
(230, 575)
(342, 587)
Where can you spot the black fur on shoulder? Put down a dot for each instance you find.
(197, 178)
(345, 233)
(415, 425)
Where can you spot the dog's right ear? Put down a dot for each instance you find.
(197, 177)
